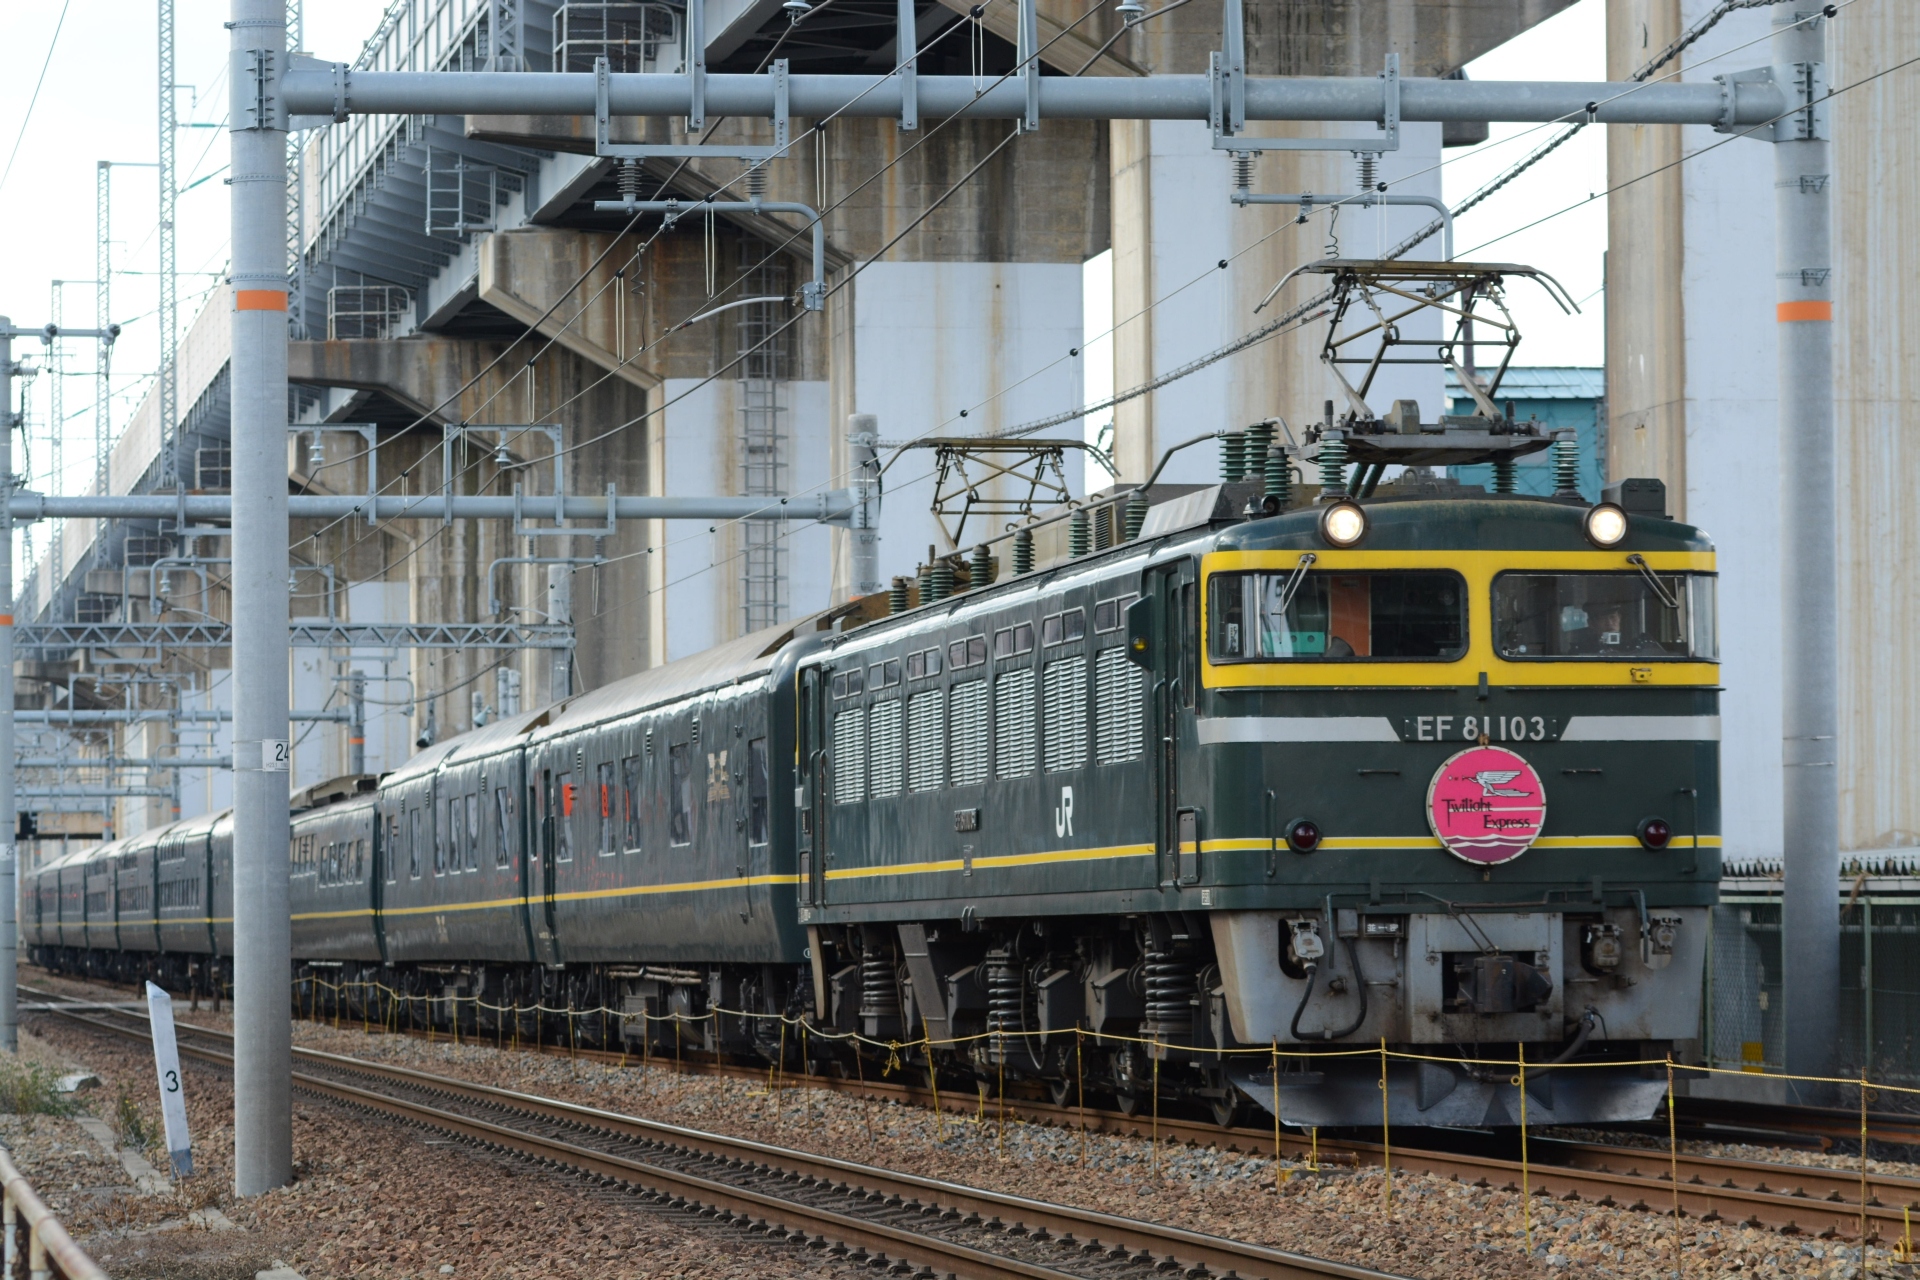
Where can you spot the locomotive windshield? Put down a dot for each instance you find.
(1391, 616)
(1605, 615)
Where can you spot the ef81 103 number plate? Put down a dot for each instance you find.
(1495, 726)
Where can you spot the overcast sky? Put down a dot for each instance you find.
(100, 101)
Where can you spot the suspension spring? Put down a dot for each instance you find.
(879, 996)
(1006, 993)
(1170, 987)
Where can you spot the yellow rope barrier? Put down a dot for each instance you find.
(1526, 1181)
(933, 1083)
(1279, 1175)
(1673, 1174)
(1863, 1170)
(1156, 1116)
(1386, 1141)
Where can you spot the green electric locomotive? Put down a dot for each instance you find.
(1430, 769)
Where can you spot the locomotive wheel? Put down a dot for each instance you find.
(1226, 1111)
(1062, 1092)
(1128, 1104)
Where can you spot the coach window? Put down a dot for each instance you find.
(393, 848)
(680, 793)
(923, 664)
(630, 801)
(456, 832)
(502, 826)
(472, 853)
(415, 838)
(440, 838)
(563, 835)
(609, 815)
(758, 799)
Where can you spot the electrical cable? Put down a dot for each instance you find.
(1714, 146)
(27, 119)
(782, 328)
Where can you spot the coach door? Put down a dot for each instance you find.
(538, 870)
(1173, 590)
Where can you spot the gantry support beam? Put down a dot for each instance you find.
(329, 89)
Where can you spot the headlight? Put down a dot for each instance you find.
(1655, 833)
(1606, 524)
(1343, 524)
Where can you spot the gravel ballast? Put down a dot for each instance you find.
(356, 1207)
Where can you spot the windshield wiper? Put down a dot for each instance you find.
(1293, 582)
(1639, 562)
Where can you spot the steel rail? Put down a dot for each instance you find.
(1786, 1197)
(1147, 1245)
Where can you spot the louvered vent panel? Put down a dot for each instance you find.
(885, 748)
(1118, 697)
(1013, 723)
(849, 756)
(967, 727)
(1065, 713)
(927, 740)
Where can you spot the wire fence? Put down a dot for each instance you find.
(1745, 1013)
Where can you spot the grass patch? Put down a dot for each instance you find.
(31, 1089)
(136, 1130)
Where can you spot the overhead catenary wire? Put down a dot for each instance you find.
(26, 120)
(1267, 330)
(551, 340)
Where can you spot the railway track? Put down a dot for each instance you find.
(900, 1222)
(1795, 1199)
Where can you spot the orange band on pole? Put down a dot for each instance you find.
(259, 299)
(1785, 311)
(6, 619)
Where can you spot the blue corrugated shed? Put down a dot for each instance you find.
(1559, 396)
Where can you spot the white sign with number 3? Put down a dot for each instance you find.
(166, 1060)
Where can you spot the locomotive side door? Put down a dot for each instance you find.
(1173, 590)
(811, 797)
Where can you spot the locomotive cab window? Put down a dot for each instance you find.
(1634, 616)
(1395, 616)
